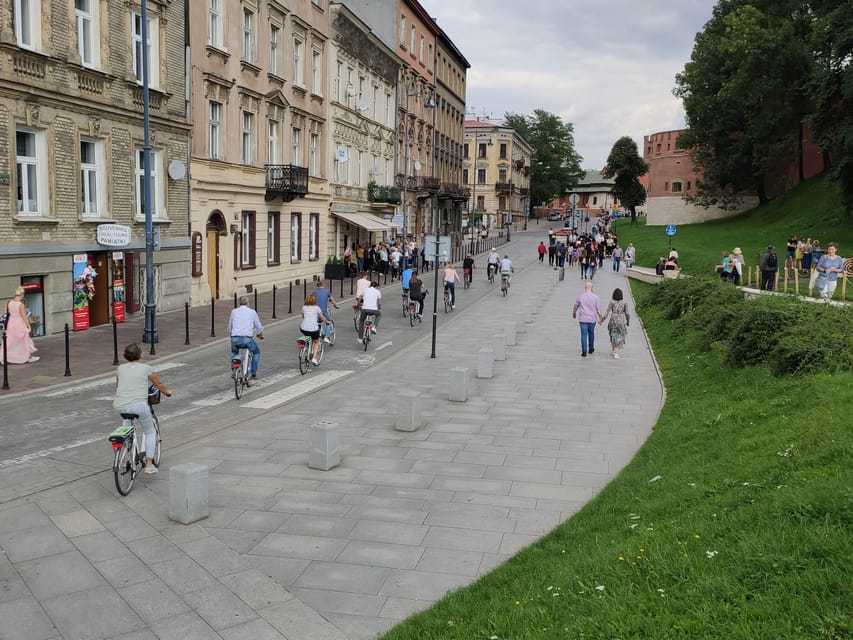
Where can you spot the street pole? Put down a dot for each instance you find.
(150, 331)
(435, 296)
(406, 175)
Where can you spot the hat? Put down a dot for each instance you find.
(737, 251)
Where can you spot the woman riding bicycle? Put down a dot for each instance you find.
(312, 315)
(417, 293)
(132, 382)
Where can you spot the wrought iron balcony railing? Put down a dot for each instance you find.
(386, 194)
(503, 187)
(286, 181)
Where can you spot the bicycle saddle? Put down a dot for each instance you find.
(129, 416)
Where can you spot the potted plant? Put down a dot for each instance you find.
(335, 268)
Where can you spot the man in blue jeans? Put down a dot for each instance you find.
(242, 325)
(324, 297)
(587, 310)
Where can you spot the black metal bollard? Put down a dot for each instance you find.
(115, 342)
(273, 302)
(212, 318)
(342, 287)
(187, 322)
(235, 299)
(5, 364)
(290, 298)
(351, 284)
(67, 352)
(304, 288)
(256, 298)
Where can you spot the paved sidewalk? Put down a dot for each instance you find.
(295, 553)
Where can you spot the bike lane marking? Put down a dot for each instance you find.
(296, 390)
(93, 384)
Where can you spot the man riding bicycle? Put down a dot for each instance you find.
(371, 304)
(324, 297)
(242, 325)
(493, 260)
(468, 268)
(507, 269)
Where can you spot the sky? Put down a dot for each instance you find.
(605, 66)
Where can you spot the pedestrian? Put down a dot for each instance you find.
(630, 255)
(828, 268)
(19, 344)
(737, 263)
(617, 257)
(587, 310)
(725, 267)
(660, 266)
(769, 266)
(562, 251)
(617, 326)
(542, 249)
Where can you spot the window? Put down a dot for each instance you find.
(298, 72)
(295, 237)
(481, 203)
(247, 240)
(429, 58)
(28, 23)
(153, 49)
(501, 202)
(248, 137)
(215, 24)
(275, 53)
(403, 29)
(338, 81)
(594, 199)
(316, 74)
(481, 150)
(481, 176)
(273, 239)
(314, 156)
(88, 38)
(503, 150)
(676, 187)
(214, 121)
(412, 41)
(421, 54)
(388, 119)
(465, 150)
(93, 184)
(248, 35)
(295, 147)
(272, 142)
(666, 186)
(464, 176)
(688, 185)
(314, 236)
(502, 175)
(31, 152)
(157, 194)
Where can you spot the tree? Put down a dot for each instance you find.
(625, 164)
(556, 166)
(744, 94)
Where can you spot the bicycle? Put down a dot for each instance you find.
(405, 304)
(491, 272)
(411, 312)
(240, 367)
(447, 306)
(368, 329)
(504, 284)
(129, 456)
(356, 309)
(304, 345)
(466, 278)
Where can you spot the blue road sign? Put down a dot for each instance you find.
(670, 229)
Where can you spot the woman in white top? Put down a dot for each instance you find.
(312, 315)
(451, 277)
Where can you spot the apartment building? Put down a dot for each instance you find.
(362, 110)
(259, 165)
(72, 206)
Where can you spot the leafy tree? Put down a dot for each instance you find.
(744, 94)
(625, 164)
(831, 88)
(556, 166)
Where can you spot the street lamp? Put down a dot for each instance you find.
(429, 104)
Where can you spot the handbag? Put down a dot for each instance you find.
(4, 319)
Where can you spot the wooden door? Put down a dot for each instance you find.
(213, 262)
(99, 305)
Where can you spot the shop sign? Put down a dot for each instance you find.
(113, 235)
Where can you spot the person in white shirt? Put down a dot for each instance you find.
(451, 277)
(493, 262)
(371, 304)
(507, 269)
(312, 316)
(361, 284)
(242, 325)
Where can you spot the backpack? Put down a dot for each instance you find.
(772, 262)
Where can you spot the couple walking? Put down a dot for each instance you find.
(587, 310)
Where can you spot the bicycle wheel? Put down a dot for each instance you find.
(303, 358)
(124, 467)
(331, 335)
(503, 286)
(355, 322)
(446, 304)
(366, 337)
(405, 306)
(411, 315)
(156, 459)
(238, 383)
(321, 351)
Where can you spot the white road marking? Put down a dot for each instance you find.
(51, 451)
(93, 384)
(382, 346)
(315, 381)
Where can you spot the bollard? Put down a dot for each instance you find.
(304, 288)
(290, 298)
(188, 493)
(212, 317)
(186, 323)
(534, 304)
(409, 409)
(235, 299)
(342, 289)
(67, 352)
(509, 333)
(459, 381)
(273, 302)
(519, 321)
(115, 342)
(324, 445)
(256, 297)
(485, 363)
(499, 346)
(5, 364)
(528, 313)
(351, 283)
(561, 274)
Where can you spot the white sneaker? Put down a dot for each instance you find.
(327, 341)
(316, 363)
(360, 341)
(372, 330)
(616, 355)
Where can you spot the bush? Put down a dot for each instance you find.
(820, 341)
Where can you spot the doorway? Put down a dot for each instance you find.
(215, 227)
(101, 302)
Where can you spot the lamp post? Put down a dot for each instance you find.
(150, 332)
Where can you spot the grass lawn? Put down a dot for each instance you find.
(735, 519)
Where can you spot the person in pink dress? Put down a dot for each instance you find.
(19, 344)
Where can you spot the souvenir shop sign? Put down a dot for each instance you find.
(113, 235)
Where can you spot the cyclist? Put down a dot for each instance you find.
(451, 277)
(493, 260)
(362, 284)
(417, 293)
(371, 304)
(405, 277)
(468, 268)
(324, 297)
(507, 269)
(132, 382)
(312, 315)
(242, 325)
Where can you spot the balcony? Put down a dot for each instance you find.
(383, 194)
(503, 187)
(286, 181)
(524, 191)
(408, 182)
(428, 183)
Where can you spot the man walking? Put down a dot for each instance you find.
(587, 310)
(769, 266)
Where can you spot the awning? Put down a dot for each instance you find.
(366, 221)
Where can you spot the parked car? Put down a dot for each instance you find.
(553, 217)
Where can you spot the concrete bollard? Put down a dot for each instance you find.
(528, 313)
(459, 384)
(509, 333)
(519, 321)
(534, 304)
(324, 442)
(499, 346)
(188, 493)
(562, 273)
(485, 363)
(409, 410)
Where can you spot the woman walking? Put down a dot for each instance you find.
(617, 326)
(19, 344)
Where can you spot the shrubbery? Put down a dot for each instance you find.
(787, 335)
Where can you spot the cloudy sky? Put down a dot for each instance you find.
(606, 66)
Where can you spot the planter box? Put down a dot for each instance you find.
(335, 272)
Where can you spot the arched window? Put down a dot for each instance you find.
(676, 187)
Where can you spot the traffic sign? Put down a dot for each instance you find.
(574, 198)
(670, 229)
